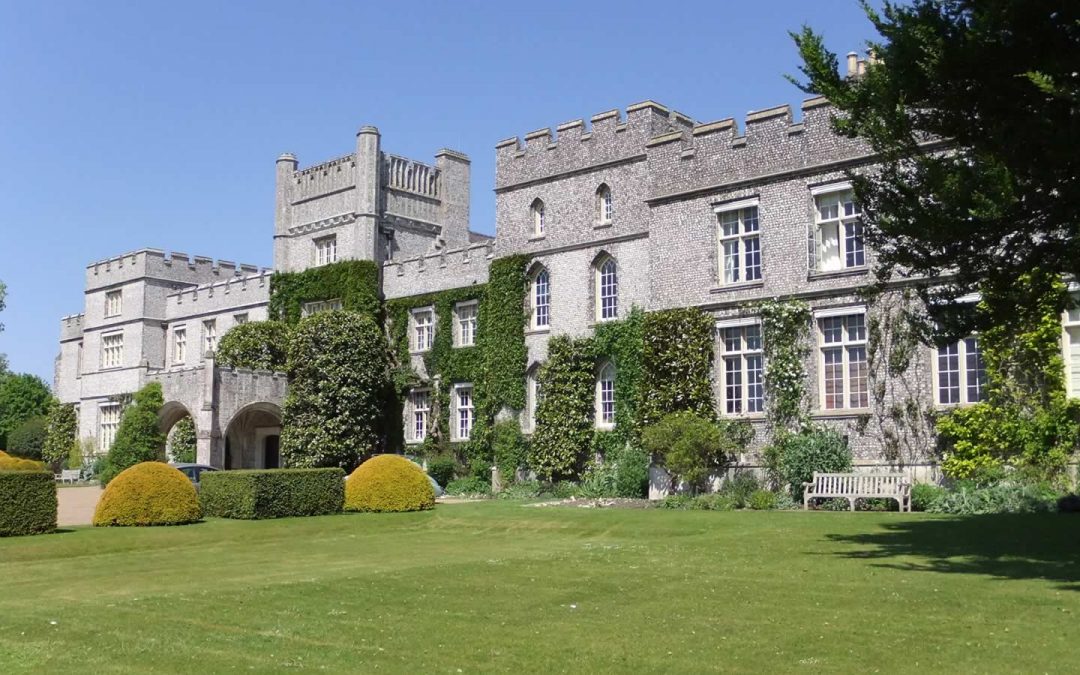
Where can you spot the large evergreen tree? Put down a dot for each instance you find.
(973, 107)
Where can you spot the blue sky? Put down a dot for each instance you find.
(125, 125)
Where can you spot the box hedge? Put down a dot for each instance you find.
(27, 503)
(387, 484)
(148, 494)
(271, 493)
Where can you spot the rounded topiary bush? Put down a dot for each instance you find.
(149, 493)
(388, 483)
(9, 463)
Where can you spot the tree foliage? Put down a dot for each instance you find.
(339, 381)
(62, 431)
(183, 442)
(690, 445)
(22, 396)
(972, 110)
(139, 437)
(28, 439)
(257, 345)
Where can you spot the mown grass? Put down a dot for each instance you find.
(504, 587)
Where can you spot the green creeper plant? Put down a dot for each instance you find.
(139, 437)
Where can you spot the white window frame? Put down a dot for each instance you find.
(109, 415)
(325, 250)
(540, 320)
(316, 306)
(179, 345)
(742, 362)
(846, 319)
(209, 335)
(605, 205)
(419, 423)
(606, 290)
(849, 242)
(966, 349)
(112, 350)
(738, 248)
(464, 415)
(421, 334)
(538, 212)
(604, 403)
(1070, 321)
(465, 323)
(114, 303)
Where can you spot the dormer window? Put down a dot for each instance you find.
(605, 207)
(539, 219)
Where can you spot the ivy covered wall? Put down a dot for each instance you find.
(354, 282)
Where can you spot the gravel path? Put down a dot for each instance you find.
(77, 504)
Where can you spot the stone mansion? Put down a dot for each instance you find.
(637, 208)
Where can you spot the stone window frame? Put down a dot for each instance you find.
(603, 260)
(325, 250)
(112, 353)
(849, 257)
(746, 211)
(538, 218)
(605, 205)
(179, 345)
(964, 351)
(847, 345)
(604, 395)
(412, 421)
(114, 303)
(750, 349)
(459, 325)
(209, 335)
(421, 342)
(461, 426)
(108, 424)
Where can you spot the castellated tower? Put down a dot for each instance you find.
(369, 205)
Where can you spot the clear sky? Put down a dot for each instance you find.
(156, 124)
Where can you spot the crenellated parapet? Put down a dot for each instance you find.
(441, 270)
(610, 136)
(155, 263)
(71, 327)
(325, 178)
(237, 291)
(770, 142)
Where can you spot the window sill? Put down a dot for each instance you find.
(740, 286)
(471, 344)
(602, 226)
(537, 237)
(842, 413)
(604, 427)
(834, 274)
(418, 352)
(749, 417)
(538, 331)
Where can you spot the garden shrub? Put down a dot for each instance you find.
(28, 439)
(816, 449)
(61, 435)
(388, 483)
(690, 446)
(739, 488)
(139, 437)
(339, 382)
(442, 469)
(762, 500)
(272, 493)
(925, 496)
(471, 487)
(1002, 498)
(527, 489)
(149, 493)
(9, 463)
(256, 345)
(27, 502)
(708, 502)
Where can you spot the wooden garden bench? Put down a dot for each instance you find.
(852, 486)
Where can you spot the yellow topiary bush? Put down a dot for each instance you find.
(149, 493)
(387, 484)
(9, 463)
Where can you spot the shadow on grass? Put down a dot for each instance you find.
(1005, 546)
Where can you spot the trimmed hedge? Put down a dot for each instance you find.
(272, 493)
(388, 483)
(149, 493)
(9, 463)
(27, 503)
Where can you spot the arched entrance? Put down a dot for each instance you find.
(181, 434)
(253, 437)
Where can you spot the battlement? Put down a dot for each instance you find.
(220, 295)
(152, 262)
(771, 142)
(409, 175)
(440, 270)
(71, 327)
(610, 136)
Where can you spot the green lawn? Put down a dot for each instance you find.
(501, 586)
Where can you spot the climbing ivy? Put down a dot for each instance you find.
(565, 412)
(677, 355)
(354, 282)
(622, 343)
(785, 336)
(502, 333)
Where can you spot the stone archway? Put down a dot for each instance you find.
(180, 429)
(252, 437)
